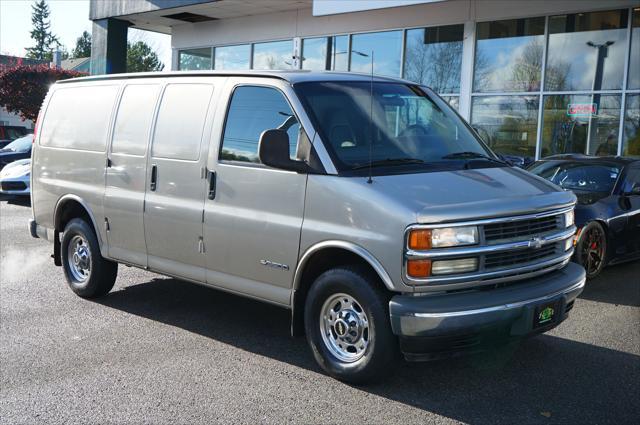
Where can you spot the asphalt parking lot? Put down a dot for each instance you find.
(157, 350)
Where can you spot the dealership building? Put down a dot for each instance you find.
(535, 78)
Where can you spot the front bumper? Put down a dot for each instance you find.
(15, 186)
(432, 326)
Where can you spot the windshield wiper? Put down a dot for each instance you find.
(472, 155)
(389, 161)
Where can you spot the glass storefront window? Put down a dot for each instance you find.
(634, 61)
(314, 53)
(433, 57)
(315, 56)
(273, 55)
(508, 124)
(586, 51)
(573, 122)
(386, 48)
(232, 57)
(194, 59)
(509, 55)
(631, 137)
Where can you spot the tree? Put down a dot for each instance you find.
(23, 88)
(83, 46)
(141, 58)
(41, 32)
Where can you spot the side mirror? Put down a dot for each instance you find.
(273, 150)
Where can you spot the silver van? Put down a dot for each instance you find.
(365, 205)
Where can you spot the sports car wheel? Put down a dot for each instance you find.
(591, 250)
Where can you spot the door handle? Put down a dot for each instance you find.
(109, 163)
(211, 177)
(154, 177)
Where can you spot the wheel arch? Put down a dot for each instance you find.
(321, 257)
(72, 206)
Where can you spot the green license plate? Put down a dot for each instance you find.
(546, 314)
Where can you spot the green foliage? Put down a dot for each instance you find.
(24, 87)
(41, 33)
(141, 58)
(83, 46)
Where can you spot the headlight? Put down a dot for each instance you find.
(569, 218)
(421, 239)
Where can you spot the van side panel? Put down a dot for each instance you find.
(71, 150)
(126, 174)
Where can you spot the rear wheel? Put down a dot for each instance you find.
(347, 325)
(88, 274)
(591, 249)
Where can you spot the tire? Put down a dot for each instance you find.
(365, 352)
(591, 249)
(88, 274)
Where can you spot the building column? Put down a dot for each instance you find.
(109, 46)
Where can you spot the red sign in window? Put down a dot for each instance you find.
(582, 109)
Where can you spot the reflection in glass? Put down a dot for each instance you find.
(509, 55)
(274, 55)
(194, 59)
(586, 51)
(634, 60)
(232, 57)
(454, 101)
(386, 47)
(508, 124)
(433, 57)
(252, 111)
(314, 53)
(315, 57)
(570, 123)
(631, 137)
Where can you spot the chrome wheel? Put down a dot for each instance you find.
(79, 258)
(344, 327)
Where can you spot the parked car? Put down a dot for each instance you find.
(9, 133)
(18, 149)
(14, 178)
(608, 209)
(366, 206)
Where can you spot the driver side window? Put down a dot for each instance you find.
(254, 109)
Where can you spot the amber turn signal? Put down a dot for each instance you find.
(420, 239)
(419, 268)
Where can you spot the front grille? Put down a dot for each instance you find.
(513, 258)
(520, 229)
(6, 186)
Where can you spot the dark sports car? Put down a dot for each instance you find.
(608, 212)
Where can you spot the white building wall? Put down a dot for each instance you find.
(7, 118)
(302, 23)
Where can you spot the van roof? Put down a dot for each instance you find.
(292, 76)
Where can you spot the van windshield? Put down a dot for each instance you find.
(400, 126)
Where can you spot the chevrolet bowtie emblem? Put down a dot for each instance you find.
(535, 243)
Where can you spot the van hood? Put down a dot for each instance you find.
(473, 194)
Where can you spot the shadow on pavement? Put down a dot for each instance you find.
(23, 201)
(618, 284)
(544, 380)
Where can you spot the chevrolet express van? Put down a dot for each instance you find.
(365, 205)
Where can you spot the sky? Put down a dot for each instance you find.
(68, 19)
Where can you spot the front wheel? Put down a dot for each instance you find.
(88, 274)
(591, 249)
(347, 325)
